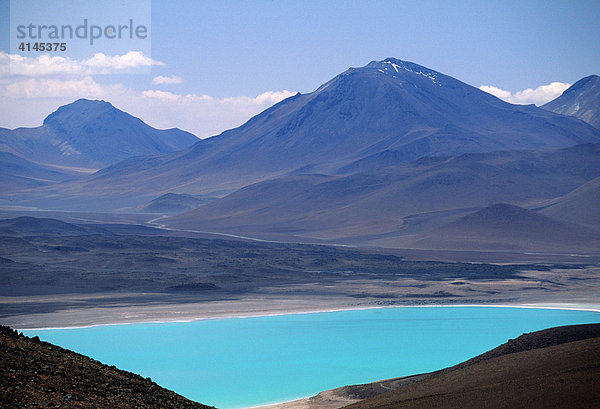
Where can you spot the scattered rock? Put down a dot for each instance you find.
(36, 374)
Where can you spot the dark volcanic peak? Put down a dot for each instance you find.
(387, 105)
(581, 100)
(418, 111)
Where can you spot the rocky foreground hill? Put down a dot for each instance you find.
(554, 368)
(37, 374)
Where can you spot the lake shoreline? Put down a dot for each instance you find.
(560, 287)
(300, 311)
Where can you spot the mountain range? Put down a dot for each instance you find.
(388, 112)
(395, 205)
(392, 154)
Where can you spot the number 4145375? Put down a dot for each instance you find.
(43, 46)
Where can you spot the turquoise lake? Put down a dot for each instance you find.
(242, 362)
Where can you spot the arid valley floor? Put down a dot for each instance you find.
(56, 275)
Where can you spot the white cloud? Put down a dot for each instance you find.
(272, 97)
(265, 99)
(42, 65)
(163, 95)
(119, 62)
(45, 65)
(538, 96)
(202, 115)
(34, 87)
(26, 101)
(84, 87)
(167, 80)
(500, 93)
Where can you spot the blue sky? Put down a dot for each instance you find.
(213, 64)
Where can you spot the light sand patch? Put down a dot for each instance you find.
(331, 399)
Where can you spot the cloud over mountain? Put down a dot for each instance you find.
(32, 87)
(538, 96)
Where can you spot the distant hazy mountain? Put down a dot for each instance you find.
(508, 227)
(581, 100)
(379, 155)
(582, 205)
(91, 134)
(19, 173)
(385, 113)
(389, 205)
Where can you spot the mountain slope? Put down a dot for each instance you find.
(581, 100)
(91, 134)
(579, 206)
(391, 104)
(19, 173)
(378, 207)
(387, 106)
(553, 368)
(508, 227)
(38, 374)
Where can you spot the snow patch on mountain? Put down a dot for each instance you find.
(392, 67)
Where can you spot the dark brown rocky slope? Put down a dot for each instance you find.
(36, 374)
(555, 368)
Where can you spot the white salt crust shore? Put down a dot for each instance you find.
(547, 306)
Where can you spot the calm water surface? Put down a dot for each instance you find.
(241, 362)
